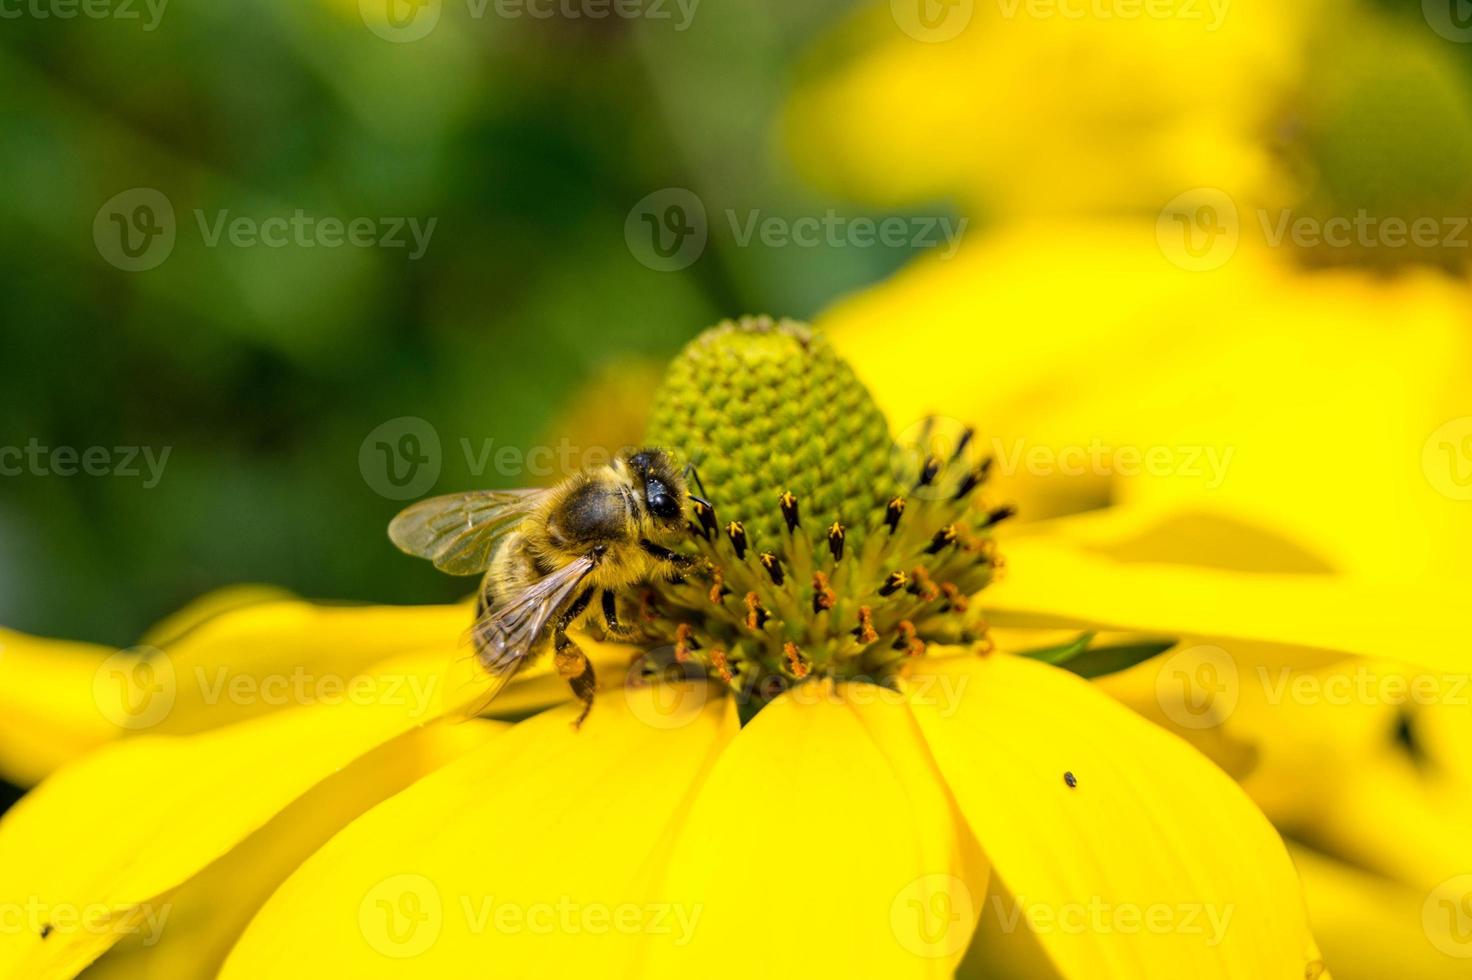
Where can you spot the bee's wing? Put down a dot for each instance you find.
(505, 634)
(459, 531)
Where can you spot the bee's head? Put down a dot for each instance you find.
(664, 486)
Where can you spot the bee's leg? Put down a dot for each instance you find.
(692, 474)
(574, 667)
(610, 617)
(677, 561)
(572, 664)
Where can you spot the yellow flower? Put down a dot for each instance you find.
(881, 814)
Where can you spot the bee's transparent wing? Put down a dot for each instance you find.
(506, 633)
(459, 531)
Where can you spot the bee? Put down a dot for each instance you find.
(546, 553)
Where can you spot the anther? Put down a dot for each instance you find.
(773, 565)
(928, 471)
(970, 482)
(865, 632)
(684, 642)
(893, 512)
(908, 639)
(737, 534)
(756, 616)
(955, 599)
(963, 442)
(718, 590)
(922, 585)
(943, 539)
(706, 514)
(722, 666)
(788, 503)
(823, 594)
(998, 515)
(795, 660)
(893, 583)
(835, 541)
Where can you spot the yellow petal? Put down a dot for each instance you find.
(1056, 584)
(209, 606)
(1155, 864)
(48, 712)
(209, 911)
(525, 857)
(97, 850)
(1371, 927)
(824, 844)
(267, 656)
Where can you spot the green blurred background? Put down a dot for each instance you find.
(263, 370)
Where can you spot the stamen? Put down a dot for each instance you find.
(928, 471)
(773, 565)
(893, 583)
(823, 595)
(893, 512)
(718, 590)
(835, 541)
(962, 443)
(684, 642)
(788, 503)
(922, 585)
(908, 639)
(998, 515)
(955, 599)
(756, 616)
(943, 539)
(707, 517)
(722, 666)
(865, 632)
(737, 534)
(795, 660)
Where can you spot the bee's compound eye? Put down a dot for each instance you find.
(661, 503)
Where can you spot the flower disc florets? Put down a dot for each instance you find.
(829, 550)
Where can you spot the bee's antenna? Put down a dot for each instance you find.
(691, 473)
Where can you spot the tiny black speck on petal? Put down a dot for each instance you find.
(1071, 780)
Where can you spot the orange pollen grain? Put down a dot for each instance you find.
(867, 633)
(719, 662)
(794, 660)
(682, 642)
(927, 588)
(825, 596)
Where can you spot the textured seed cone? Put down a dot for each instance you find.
(830, 552)
(764, 407)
